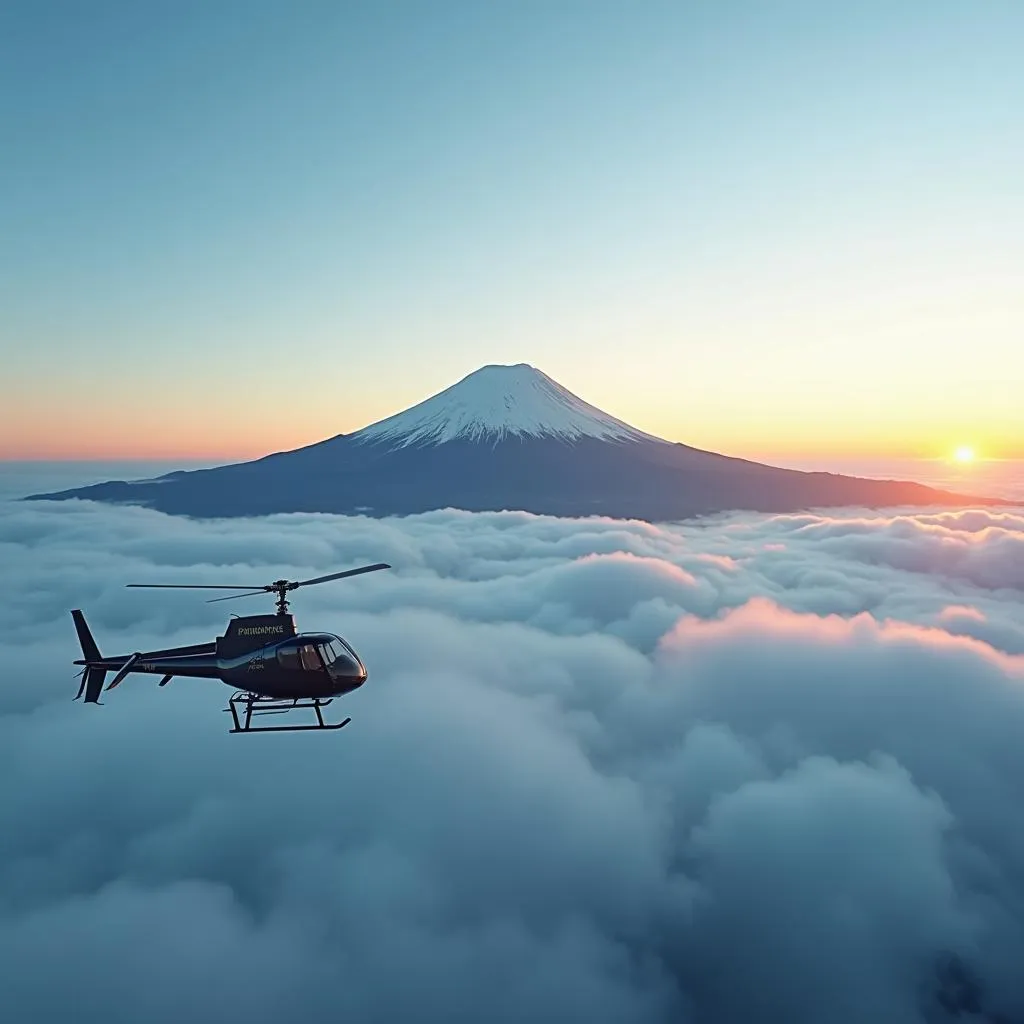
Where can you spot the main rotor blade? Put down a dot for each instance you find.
(342, 575)
(231, 597)
(198, 586)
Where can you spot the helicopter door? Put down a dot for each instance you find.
(309, 658)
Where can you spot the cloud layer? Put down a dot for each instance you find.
(755, 768)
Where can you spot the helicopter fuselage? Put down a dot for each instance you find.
(274, 669)
(299, 665)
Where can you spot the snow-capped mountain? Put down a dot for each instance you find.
(504, 437)
(499, 402)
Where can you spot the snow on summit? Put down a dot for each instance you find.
(498, 402)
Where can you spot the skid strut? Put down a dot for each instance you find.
(243, 707)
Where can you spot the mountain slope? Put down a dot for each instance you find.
(505, 437)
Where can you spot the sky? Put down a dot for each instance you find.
(790, 229)
(752, 768)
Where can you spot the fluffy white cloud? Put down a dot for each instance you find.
(751, 768)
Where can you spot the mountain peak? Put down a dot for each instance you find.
(497, 402)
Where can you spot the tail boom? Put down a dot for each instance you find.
(197, 660)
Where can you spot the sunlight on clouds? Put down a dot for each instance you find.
(601, 770)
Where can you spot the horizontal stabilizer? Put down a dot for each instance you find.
(125, 669)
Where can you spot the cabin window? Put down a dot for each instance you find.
(289, 658)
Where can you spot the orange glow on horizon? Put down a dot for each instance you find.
(240, 427)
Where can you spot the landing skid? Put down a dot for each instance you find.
(244, 706)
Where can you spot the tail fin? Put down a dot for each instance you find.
(92, 678)
(89, 649)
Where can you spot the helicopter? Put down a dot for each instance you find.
(274, 669)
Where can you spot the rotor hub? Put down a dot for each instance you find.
(281, 587)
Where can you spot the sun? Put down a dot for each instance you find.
(965, 453)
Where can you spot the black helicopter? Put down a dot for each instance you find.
(274, 669)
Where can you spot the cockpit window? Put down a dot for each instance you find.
(330, 652)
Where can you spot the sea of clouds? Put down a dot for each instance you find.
(751, 769)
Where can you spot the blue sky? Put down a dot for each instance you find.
(750, 226)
